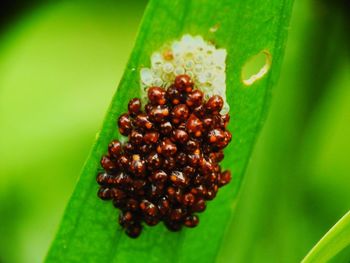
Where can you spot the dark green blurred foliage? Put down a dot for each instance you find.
(59, 67)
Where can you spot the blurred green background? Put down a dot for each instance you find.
(60, 62)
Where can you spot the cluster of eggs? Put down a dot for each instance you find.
(193, 56)
(169, 166)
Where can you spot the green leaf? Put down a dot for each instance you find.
(332, 243)
(89, 231)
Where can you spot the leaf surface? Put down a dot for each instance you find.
(89, 231)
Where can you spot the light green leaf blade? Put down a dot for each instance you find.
(89, 230)
(332, 243)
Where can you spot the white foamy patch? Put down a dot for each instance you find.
(193, 56)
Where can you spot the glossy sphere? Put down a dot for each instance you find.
(124, 124)
(156, 95)
(153, 161)
(136, 137)
(191, 221)
(194, 126)
(216, 136)
(108, 164)
(137, 166)
(158, 113)
(151, 137)
(180, 136)
(214, 104)
(195, 98)
(142, 122)
(104, 193)
(159, 177)
(179, 179)
(114, 148)
(134, 230)
(169, 167)
(134, 106)
(224, 178)
(179, 113)
(165, 128)
(167, 148)
(174, 96)
(183, 83)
